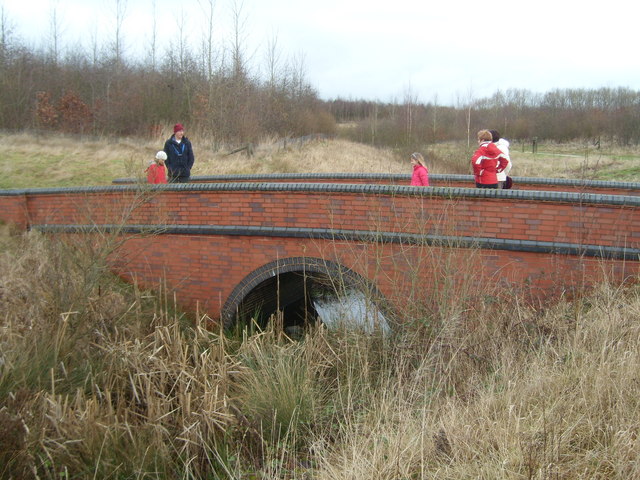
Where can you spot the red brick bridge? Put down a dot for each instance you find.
(235, 246)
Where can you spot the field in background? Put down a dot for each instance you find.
(58, 161)
(575, 160)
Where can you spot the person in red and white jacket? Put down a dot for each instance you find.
(487, 161)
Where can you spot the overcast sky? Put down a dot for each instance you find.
(384, 50)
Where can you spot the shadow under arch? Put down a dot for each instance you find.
(286, 285)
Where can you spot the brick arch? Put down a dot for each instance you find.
(538, 238)
(342, 275)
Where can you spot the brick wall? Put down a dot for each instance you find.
(13, 209)
(209, 238)
(204, 270)
(506, 217)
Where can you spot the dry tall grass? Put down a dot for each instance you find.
(102, 380)
(53, 160)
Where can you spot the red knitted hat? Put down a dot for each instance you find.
(177, 127)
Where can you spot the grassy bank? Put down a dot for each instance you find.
(101, 380)
(54, 161)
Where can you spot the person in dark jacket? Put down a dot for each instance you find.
(180, 156)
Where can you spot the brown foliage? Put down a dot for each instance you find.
(75, 115)
(46, 115)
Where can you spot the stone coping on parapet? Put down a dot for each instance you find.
(274, 177)
(329, 188)
(594, 251)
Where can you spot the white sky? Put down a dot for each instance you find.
(384, 50)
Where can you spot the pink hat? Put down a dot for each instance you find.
(177, 127)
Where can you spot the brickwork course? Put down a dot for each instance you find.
(213, 240)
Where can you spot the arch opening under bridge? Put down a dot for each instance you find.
(305, 290)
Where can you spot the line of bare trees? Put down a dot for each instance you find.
(214, 89)
(605, 114)
(220, 91)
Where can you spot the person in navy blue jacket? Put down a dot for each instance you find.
(180, 156)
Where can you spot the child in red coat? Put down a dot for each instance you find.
(156, 172)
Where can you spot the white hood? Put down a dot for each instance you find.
(503, 145)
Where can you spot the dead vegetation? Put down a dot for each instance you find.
(102, 380)
(55, 160)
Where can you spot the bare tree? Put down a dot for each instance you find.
(273, 62)
(470, 101)
(5, 94)
(118, 40)
(5, 35)
(94, 45)
(374, 123)
(410, 102)
(299, 76)
(153, 44)
(181, 26)
(55, 33)
(208, 7)
(239, 36)
(435, 113)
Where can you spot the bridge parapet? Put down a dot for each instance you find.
(209, 236)
(437, 180)
(580, 218)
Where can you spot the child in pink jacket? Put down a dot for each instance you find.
(420, 176)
